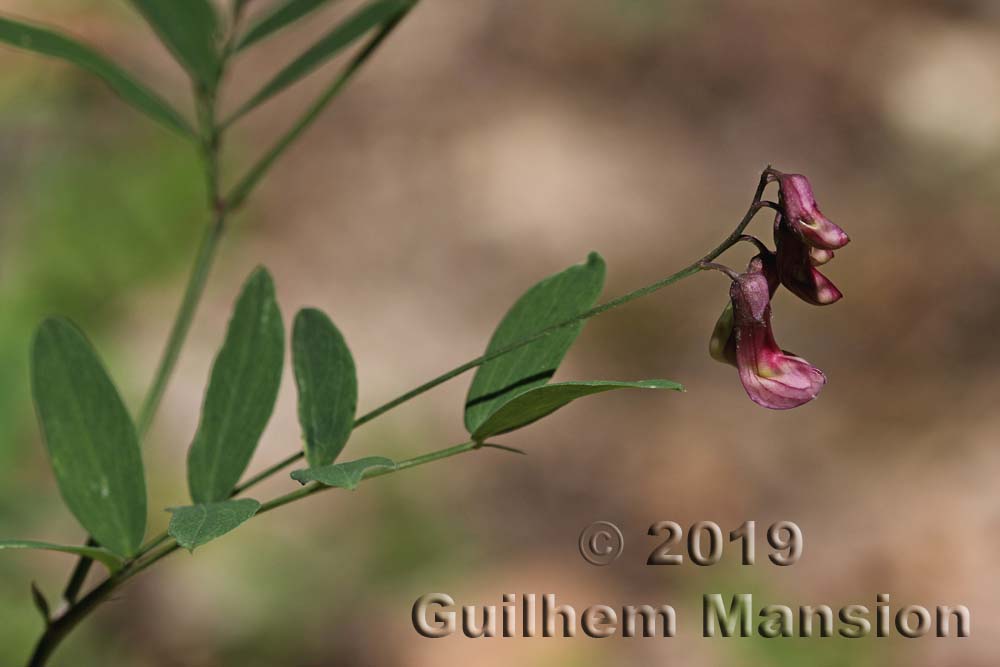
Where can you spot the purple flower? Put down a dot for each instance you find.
(796, 200)
(797, 266)
(772, 378)
(722, 345)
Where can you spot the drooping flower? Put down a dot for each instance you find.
(796, 266)
(796, 200)
(772, 378)
(722, 345)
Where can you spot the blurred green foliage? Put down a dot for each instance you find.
(95, 204)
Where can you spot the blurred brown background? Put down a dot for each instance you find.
(491, 143)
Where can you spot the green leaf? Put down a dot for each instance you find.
(370, 16)
(51, 43)
(283, 15)
(343, 475)
(328, 386)
(193, 526)
(189, 29)
(241, 393)
(110, 560)
(556, 299)
(533, 404)
(90, 437)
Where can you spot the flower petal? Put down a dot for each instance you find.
(795, 197)
(796, 270)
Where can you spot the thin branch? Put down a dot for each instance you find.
(162, 546)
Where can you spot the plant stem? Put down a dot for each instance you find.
(61, 626)
(316, 487)
(77, 611)
(211, 134)
(756, 205)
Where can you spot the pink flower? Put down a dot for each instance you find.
(772, 378)
(722, 345)
(797, 266)
(796, 200)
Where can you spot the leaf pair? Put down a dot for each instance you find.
(94, 448)
(511, 390)
(240, 399)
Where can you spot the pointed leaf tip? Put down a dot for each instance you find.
(41, 604)
(533, 404)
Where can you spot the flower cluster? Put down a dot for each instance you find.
(804, 238)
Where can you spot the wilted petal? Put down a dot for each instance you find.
(796, 270)
(771, 377)
(795, 197)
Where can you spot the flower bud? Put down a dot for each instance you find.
(771, 377)
(795, 198)
(796, 270)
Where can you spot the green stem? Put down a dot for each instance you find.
(61, 626)
(182, 324)
(211, 137)
(375, 472)
(687, 271)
